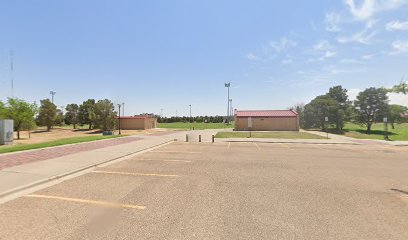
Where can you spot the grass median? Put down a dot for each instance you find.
(283, 135)
(196, 126)
(398, 133)
(59, 142)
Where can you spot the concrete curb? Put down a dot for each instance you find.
(63, 175)
(64, 145)
(288, 142)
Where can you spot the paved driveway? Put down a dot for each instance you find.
(226, 191)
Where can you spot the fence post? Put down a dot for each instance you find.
(186, 137)
(199, 138)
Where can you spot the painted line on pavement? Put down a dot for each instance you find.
(316, 146)
(87, 201)
(136, 174)
(285, 145)
(256, 145)
(164, 160)
(392, 148)
(174, 152)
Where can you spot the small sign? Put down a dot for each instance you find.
(249, 122)
(385, 119)
(9, 136)
(326, 119)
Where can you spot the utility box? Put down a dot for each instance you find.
(6, 131)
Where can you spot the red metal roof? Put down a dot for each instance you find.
(266, 113)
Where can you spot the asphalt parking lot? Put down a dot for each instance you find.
(225, 191)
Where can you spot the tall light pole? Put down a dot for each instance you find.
(119, 119)
(190, 115)
(123, 109)
(52, 96)
(230, 108)
(228, 85)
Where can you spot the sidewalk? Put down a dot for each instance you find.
(333, 139)
(356, 140)
(36, 167)
(19, 158)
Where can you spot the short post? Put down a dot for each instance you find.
(213, 138)
(386, 128)
(326, 120)
(199, 138)
(186, 137)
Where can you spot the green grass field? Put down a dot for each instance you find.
(85, 126)
(22, 147)
(400, 133)
(286, 135)
(197, 126)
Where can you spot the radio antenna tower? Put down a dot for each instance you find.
(12, 72)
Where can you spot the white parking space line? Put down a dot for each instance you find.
(256, 145)
(286, 146)
(87, 201)
(135, 174)
(175, 152)
(164, 160)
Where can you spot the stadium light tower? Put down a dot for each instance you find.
(228, 85)
(231, 111)
(52, 96)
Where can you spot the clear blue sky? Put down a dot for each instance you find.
(169, 54)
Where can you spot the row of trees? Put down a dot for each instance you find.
(370, 106)
(199, 119)
(97, 114)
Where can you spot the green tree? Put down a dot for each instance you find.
(22, 114)
(71, 114)
(300, 109)
(47, 114)
(344, 111)
(2, 110)
(105, 115)
(59, 118)
(86, 114)
(400, 88)
(395, 113)
(371, 104)
(318, 109)
(339, 94)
